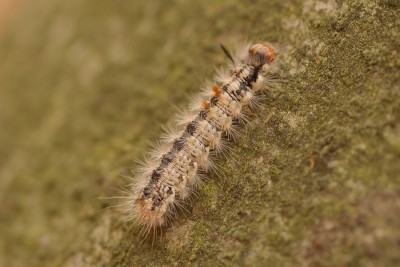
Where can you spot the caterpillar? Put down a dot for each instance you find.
(174, 168)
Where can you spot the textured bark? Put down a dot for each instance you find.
(314, 180)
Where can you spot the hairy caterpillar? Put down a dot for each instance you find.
(172, 169)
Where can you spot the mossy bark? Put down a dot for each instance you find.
(314, 180)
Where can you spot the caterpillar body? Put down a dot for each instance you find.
(173, 170)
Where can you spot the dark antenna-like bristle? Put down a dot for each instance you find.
(227, 53)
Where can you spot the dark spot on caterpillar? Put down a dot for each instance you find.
(214, 101)
(253, 76)
(243, 86)
(179, 143)
(156, 174)
(191, 128)
(203, 113)
(147, 191)
(167, 158)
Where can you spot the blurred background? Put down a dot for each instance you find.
(85, 87)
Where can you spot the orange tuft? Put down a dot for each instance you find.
(216, 90)
(206, 105)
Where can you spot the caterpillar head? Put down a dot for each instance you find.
(261, 54)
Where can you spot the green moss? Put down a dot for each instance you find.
(312, 182)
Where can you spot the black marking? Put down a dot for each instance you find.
(203, 113)
(252, 76)
(191, 128)
(214, 101)
(224, 109)
(225, 89)
(244, 86)
(156, 174)
(179, 142)
(167, 158)
(147, 191)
